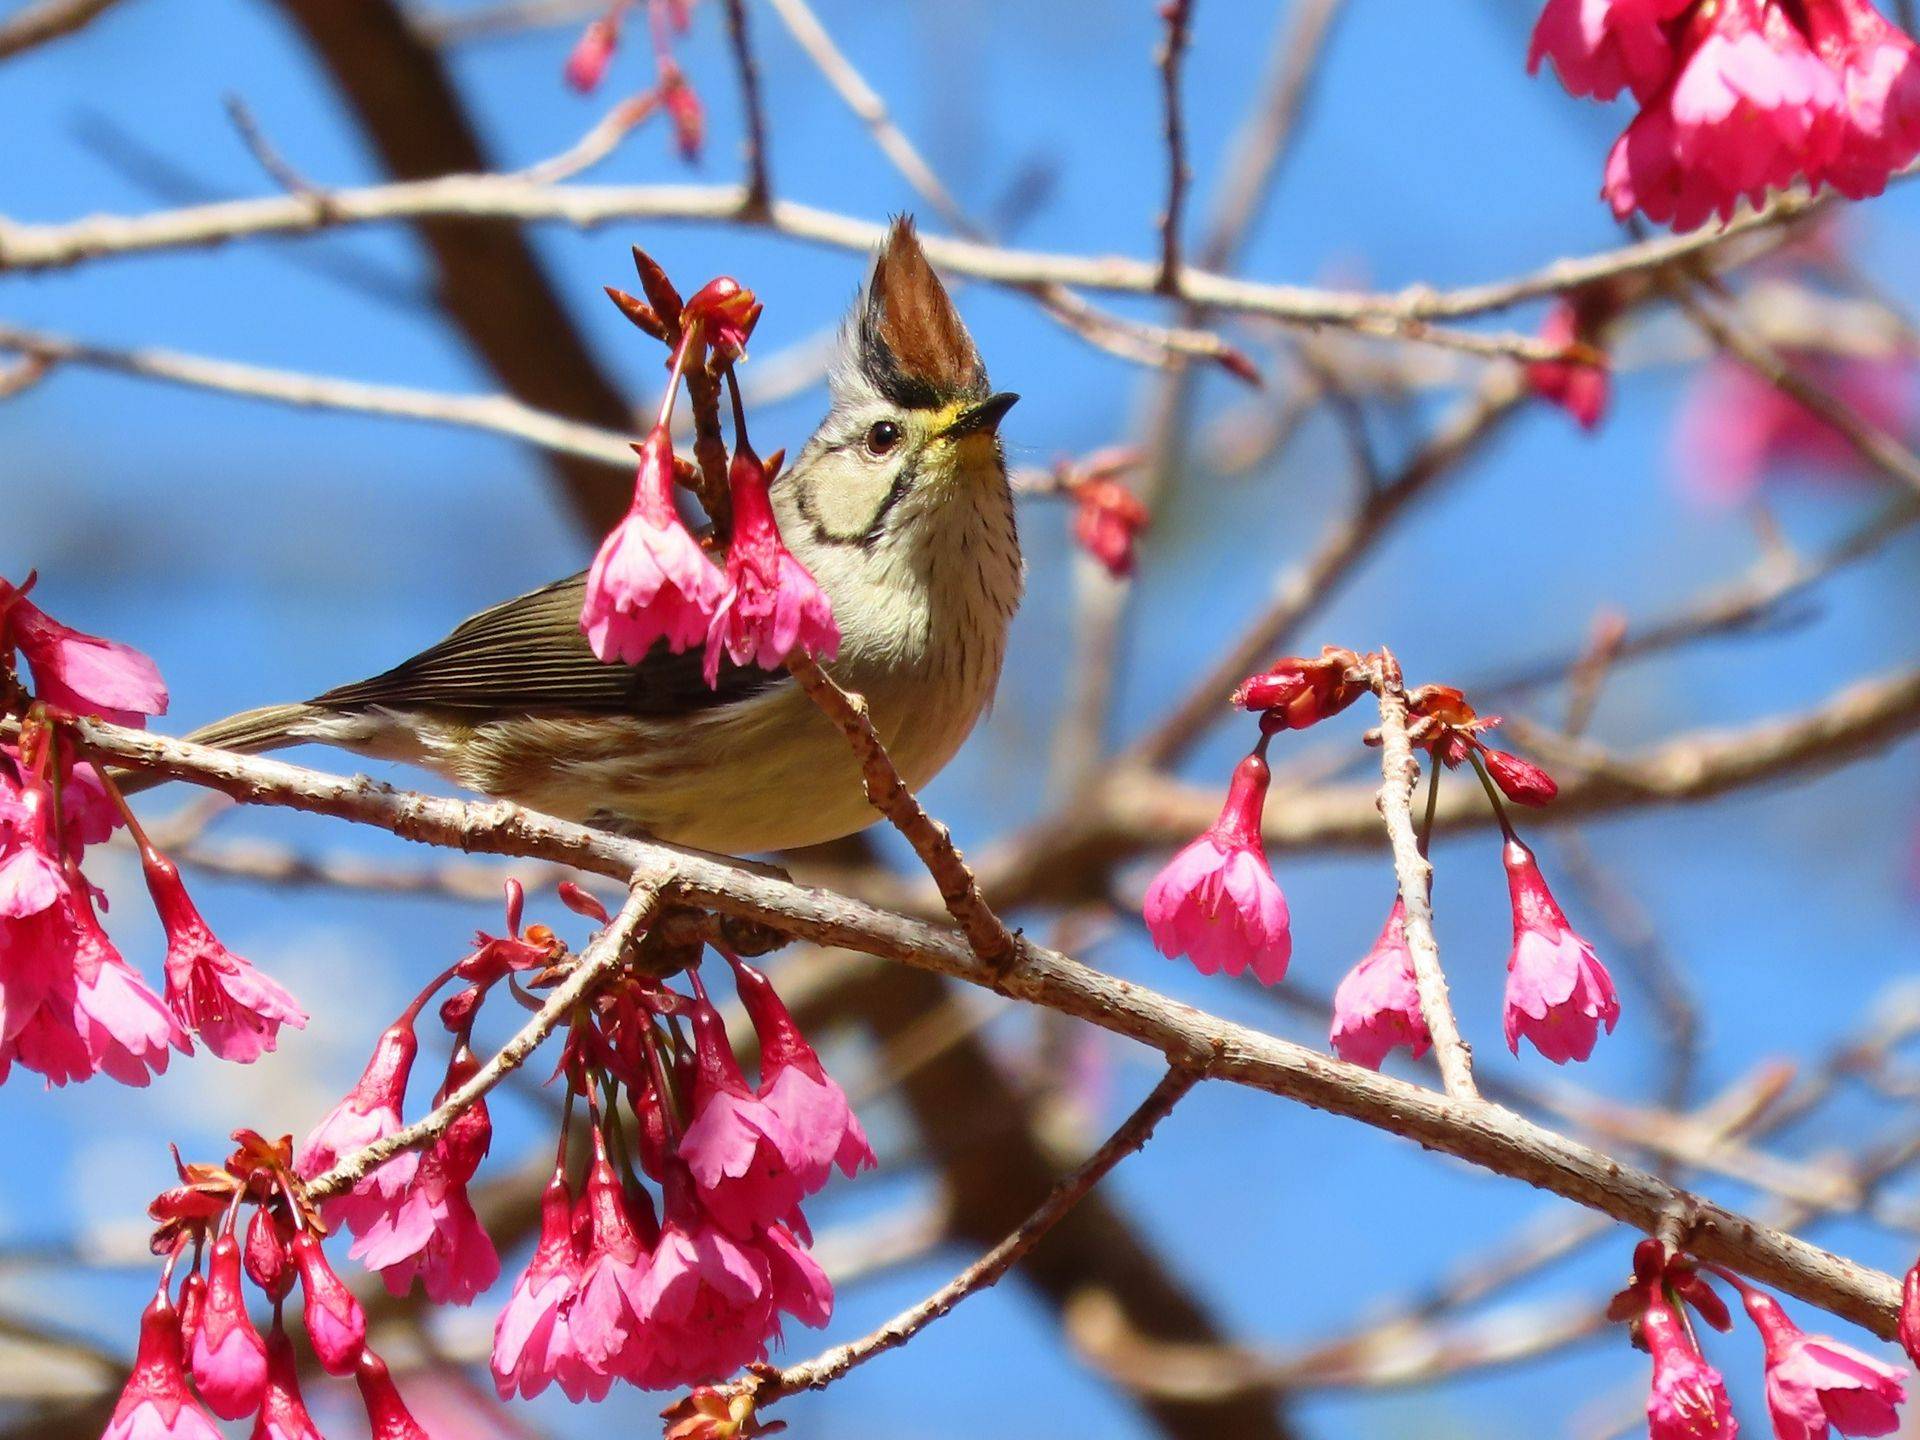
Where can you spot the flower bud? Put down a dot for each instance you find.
(336, 1325)
(727, 313)
(268, 1260)
(587, 64)
(1301, 692)
(1521, 781)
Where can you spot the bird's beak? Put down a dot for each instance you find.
(981, 419)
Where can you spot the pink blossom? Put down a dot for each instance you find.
(1740, 97)
(1736, 428)
(1216, 901)
(71, 1008)
(235, 1009)
(1578, 388)
(1814, 1382)
(1687, 1399)
(387, 1415)
(1601, 47)
(771, 606)
(78, 672)
(1558, 992)
(33, 873)
(800, 1287)
(1377, 1006)
(370, 1112)
(431, 1229)
(533, 1340)
(1877, 68)
(336, 1325)
(707, 1299)
(283, 1413)
(1749, 107)
(799, 1092)
(229, 1357)
(614, 1241)
(735, 1146)
(650, 581)
(156, 1404)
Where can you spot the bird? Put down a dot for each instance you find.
(900, 506)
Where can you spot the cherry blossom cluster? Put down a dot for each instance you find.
(653, 581)
(1814, 1384)
(1217, 903)
(660, 1293)
(591, 55)
(693, 1287)
(70, 1006)
(1738, 97)
(200, 1355)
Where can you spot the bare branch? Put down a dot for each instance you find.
(1485, 1135)
(1399, 774)
(463, 200)
(889, 794)
(1178, 16)
(823, 1370)
(759, 188)
(35, 25)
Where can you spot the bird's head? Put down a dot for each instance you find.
(914, 428)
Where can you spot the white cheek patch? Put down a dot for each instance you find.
(846, 496)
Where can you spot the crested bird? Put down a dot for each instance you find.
(901, 508)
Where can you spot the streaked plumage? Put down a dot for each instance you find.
(915, 545)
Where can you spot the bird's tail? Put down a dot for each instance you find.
(267, 728)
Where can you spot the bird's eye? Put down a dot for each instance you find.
(882, 437)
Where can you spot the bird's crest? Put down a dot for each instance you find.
(905, 338)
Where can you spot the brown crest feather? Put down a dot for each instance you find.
(914, 344)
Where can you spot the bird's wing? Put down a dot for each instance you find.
(527, 656)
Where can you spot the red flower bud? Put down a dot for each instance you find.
(1298, 692)
(727, 313)
(268, 1259)
(1521, 781)
(587, 64)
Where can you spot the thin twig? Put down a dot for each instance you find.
(1308, 586)
(1399, 774)
(35, 25)
(888, 793)
(1143, 343)
(1178, 16)
(607, 952)
(1411, 314)
(759, 187)
(824, 1369)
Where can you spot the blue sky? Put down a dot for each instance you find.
(261, 554)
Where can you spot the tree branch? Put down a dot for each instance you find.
(824, 1369)
(1482, 1134)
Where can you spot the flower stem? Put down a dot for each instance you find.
(1493, 794)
